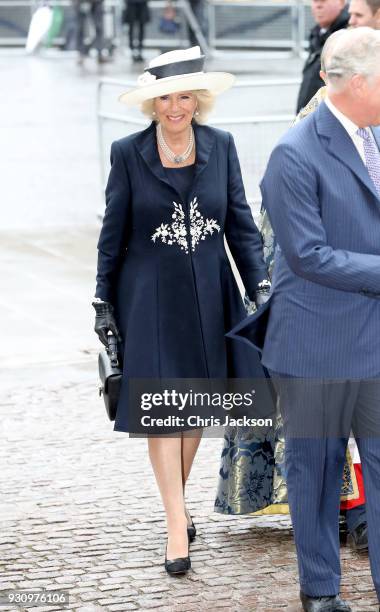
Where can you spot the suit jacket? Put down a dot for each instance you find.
(323, 317)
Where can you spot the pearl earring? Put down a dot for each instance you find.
(154, 113)
(197, 112)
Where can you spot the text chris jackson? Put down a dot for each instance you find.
(198, 421)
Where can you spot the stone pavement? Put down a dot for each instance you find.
(81, 511)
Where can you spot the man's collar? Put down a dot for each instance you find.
(349, 125)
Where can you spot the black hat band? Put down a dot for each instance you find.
(178, 68)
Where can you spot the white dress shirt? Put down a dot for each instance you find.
(350, 127)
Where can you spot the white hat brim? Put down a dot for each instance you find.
(214, 82)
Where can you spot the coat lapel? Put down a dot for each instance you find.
(147, 147)
(204, 141)
(341, 146)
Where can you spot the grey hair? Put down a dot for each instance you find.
(357, 52)
(329, 46)
(205, 104)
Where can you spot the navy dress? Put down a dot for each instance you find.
(181, 179)
(162, 262)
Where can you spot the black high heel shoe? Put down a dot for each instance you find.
(191, 530)
(176, 567)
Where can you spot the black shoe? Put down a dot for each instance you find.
(343, 530)
(136, 56)
(323, 604)
(191, 530)
(176, 567)
(359, 537)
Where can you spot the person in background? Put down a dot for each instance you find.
(330, 15)
(89, 10)
(136, 14)
(365, 13)
(199, 10)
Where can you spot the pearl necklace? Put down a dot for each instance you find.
(173, 157)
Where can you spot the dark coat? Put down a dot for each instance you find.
(136, 11)
(311, 81)
(174, 298)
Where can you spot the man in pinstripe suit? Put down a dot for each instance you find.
(322, 344)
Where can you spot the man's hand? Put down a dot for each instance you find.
(105, 321)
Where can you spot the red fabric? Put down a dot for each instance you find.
(347, 505)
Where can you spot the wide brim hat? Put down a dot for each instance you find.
(180, 70)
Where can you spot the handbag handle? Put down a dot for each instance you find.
(112, 350)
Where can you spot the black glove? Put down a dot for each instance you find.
(105, 322)
(262, 293)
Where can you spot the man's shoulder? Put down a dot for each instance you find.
(302, 136)
(299, 150)
(341, 22)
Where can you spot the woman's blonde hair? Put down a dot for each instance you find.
(205, 104)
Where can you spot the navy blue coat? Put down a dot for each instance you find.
(323, 318)
(163, 265)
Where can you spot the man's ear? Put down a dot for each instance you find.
(359, 86)
(323, 76)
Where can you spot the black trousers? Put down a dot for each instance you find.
(95, 13)
(139, 28)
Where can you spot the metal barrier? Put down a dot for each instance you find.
(275, 24)
(243, 24)
(255, 135)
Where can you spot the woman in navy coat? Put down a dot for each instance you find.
(164, 282)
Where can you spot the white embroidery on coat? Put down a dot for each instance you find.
(176, 232)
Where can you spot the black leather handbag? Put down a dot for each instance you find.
(110, 374)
